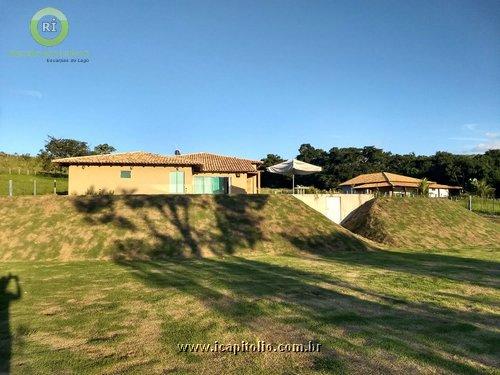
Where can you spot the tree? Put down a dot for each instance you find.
(375, 159)
(271, 159)
(61, 148)
(315, 156)
(341, 164)
(423, 187)
(103, 148)
(482, 188)
(64, 148)
(312, 155)
(491, 162)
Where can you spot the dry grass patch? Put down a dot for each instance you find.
(159, 227)
(372, 312)
(422, 223)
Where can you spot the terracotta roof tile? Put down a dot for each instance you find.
(387, 184)
(124, 158)
(386, 179)
(442, 186)
(379, 177)
(218, 163)
(203, 161)
(372, 185)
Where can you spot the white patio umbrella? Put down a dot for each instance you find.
(293, 167)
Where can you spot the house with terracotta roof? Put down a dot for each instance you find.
(147, 173)
(394, 184)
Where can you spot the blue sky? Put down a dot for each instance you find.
(249, 78)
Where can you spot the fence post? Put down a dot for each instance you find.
(55, 187)
(10, 188)
(34, 187)
(470, 202)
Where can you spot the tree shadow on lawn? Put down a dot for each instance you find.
(101, 209)
(475, 271)
(235, 225)
(245, 291)
(242, 290)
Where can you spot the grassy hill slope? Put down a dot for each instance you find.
(421, 223)
(155, 227)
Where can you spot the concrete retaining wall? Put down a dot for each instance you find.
(336, 207)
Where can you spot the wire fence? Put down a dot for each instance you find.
(32, 186)
(489, 206)
(299, 190)
(35, 171)
(20, 171)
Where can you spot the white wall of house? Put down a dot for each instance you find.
(439, 193)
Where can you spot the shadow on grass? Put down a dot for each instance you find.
(325, 245)
(169, 227)
(246, 291)
(238, 220)
(475, 271)
(101, 209)
(6, 298)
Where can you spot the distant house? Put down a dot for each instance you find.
(146, 173)
(394, 184)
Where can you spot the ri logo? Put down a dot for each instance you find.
(49, 27)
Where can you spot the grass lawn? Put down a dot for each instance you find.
(373, 312)
(488, 206)
(23, 184)
(421, 223)
(158, 227)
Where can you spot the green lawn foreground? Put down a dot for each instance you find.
(372, 312)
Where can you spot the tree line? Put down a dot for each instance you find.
(54, 148)
(64, 148)
(340, 164)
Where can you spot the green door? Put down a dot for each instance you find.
(198, 185)
(176, 182)
(218, 185)
(210, 185)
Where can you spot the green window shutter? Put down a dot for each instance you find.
(125, 174)
(210, 185)
(173, 182)
(180, 182)
(215, 184)
(207, 185)
(218, 185)
(176, 182)
(198, 185)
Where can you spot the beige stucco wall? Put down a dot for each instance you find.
(348, 202)
(144, 180)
